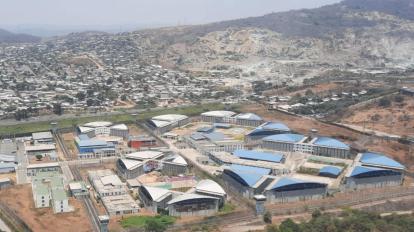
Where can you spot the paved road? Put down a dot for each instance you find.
(21, 172)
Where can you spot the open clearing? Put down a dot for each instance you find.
(19, 198)
(397, 119)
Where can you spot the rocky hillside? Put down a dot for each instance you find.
(8, 37)
(354, 34)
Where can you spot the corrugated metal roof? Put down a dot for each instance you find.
(157, 194)
(290, 138)
(205, 129)
(83, 137)
(360, 170)
(249, 174)
(189, 196)
(330, 142)
(7, 165)
(92, 143)
(376, 159)
(170, 117)
(219, 113)
(197, 136)
(258, 155)
(215, 136)
(250, 169)
(284, 181)
(209, 186)
(7, 158)
(98, 124)
(249, 116)
(330, 170)
(274, 126)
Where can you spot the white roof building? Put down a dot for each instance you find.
(98, 124)
(144, 155)
(208, 186)
(170, 117)
(219, 113)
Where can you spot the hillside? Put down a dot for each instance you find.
(8, 37)
(354, 34)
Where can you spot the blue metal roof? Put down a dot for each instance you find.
(360, 170)
(7, 165)
(205, 129)
(258, 155)
(249, 174)
(290, 184)
(370, 158)
(284, 181)
(215, 136)
(290, 138)
(331, 170)
(197, 136)
(250, 169)
(330, 142)
(367, 172)
(274, 126)
(93, 143)
(83, 137)
(221, 125)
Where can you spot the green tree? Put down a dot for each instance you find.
(39, 157)
(154, 225)
(384, 102)
(289, 225)
(57, 108)
(399, 98)
(272, 228)
(316, 213)
(267, 217)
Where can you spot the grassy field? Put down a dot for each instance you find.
(139, 221)
(120, 118)
(227, 208)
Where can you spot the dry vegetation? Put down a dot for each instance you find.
(397, 119)
(19, 198)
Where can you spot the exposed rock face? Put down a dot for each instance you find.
(355, 34)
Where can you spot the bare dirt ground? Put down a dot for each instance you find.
(397, 119)
(69, 140)
(11, 176)
(33, 160)
(124, 104)
(302, 125)
(135, 130)
(19, 198)
(320, 88)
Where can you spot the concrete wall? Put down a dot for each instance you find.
(296, 195)
(278, 146)
(119, 133)
(211, 209)
(60, 206)
(331, 152)
(372, 182)
(172, 169)
(129, 174)
(235, 186)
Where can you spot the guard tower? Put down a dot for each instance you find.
(260, 201)
(103, 223)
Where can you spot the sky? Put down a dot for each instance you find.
(140, 13)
